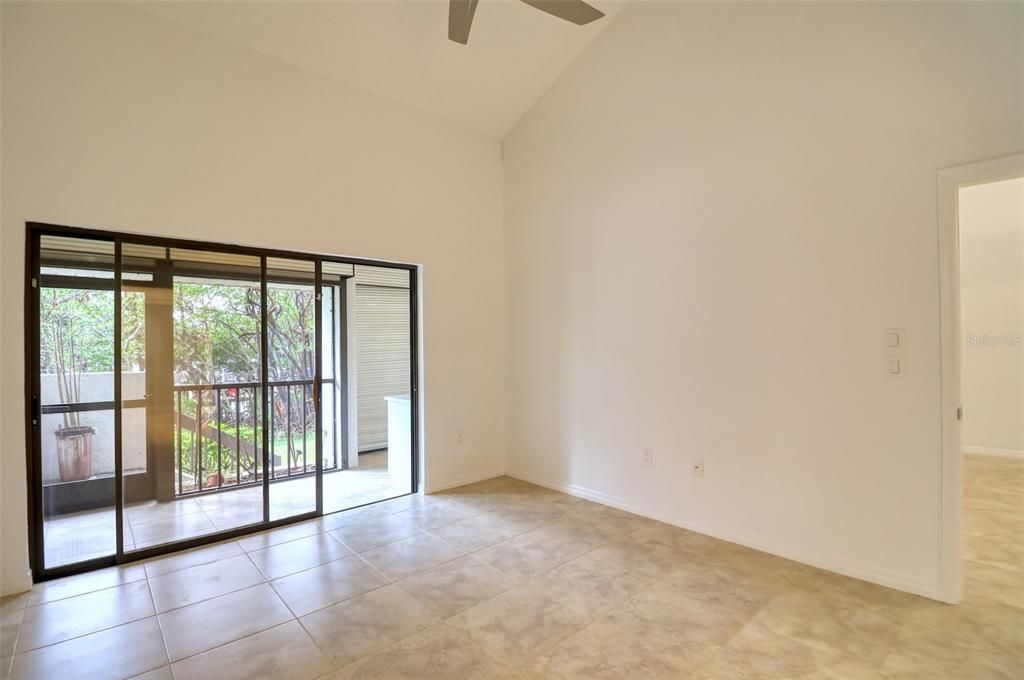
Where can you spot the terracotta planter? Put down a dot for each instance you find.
(74, 452)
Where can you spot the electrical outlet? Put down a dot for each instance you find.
(462, 435)
(647, 457)
(697, 467)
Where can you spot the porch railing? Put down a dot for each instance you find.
(218, 435)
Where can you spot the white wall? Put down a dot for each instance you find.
(113, 119)
(709, 220)
(992, 316)
(12, 500)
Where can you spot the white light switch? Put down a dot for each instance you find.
(895, 367)
(895, 339)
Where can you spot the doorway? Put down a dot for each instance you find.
(182, 393)
(981, 237)
(991, 219)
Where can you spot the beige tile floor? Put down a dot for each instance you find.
(81, 536)
(502, 579)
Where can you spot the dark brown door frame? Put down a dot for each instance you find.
(32, 390)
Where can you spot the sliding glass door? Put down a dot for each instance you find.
(73, 399)
(293, 346)
(197, 355)
(182, 393)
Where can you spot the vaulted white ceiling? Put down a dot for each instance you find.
(400, 49)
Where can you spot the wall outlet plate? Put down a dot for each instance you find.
(647, 457)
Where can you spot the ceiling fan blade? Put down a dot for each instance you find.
(576, 11)
(460, 18)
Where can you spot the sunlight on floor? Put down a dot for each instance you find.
(86, 535)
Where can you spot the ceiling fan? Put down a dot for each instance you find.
(460, 14)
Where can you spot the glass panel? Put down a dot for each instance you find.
(76, 345)
(78, 487)
(191, 373)
(328, 314)
(291, 343)
(76, 427)
(216, 331)
(331, 418)
(133, 441)
(133, 344)
(331, 453)
(373, 376)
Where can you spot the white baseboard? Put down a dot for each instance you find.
(989, 451)
(16, 586)
(797, 554)
(462, 481)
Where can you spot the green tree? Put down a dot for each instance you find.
(216, 341)
(76, 327)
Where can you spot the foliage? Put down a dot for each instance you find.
(75, 331)
(216, 341)
(216, 333)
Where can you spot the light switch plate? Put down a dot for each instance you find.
(895, 367)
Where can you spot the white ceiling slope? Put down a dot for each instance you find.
(400, 49)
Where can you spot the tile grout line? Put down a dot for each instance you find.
(159, 625)
(156, 615)
(603, 614)
(17, 637)
(423, 529)
(388, 580)
(555, 566)
(270, 581)
(87, 592)
(316, 644)
(631, 598)
(229, 642)
(422, 533)
(604, 542)
(255, 632)
(92, 632)
(227, 592)
(181, 553)
(98, 630)
(375, 569)
(367, 592)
